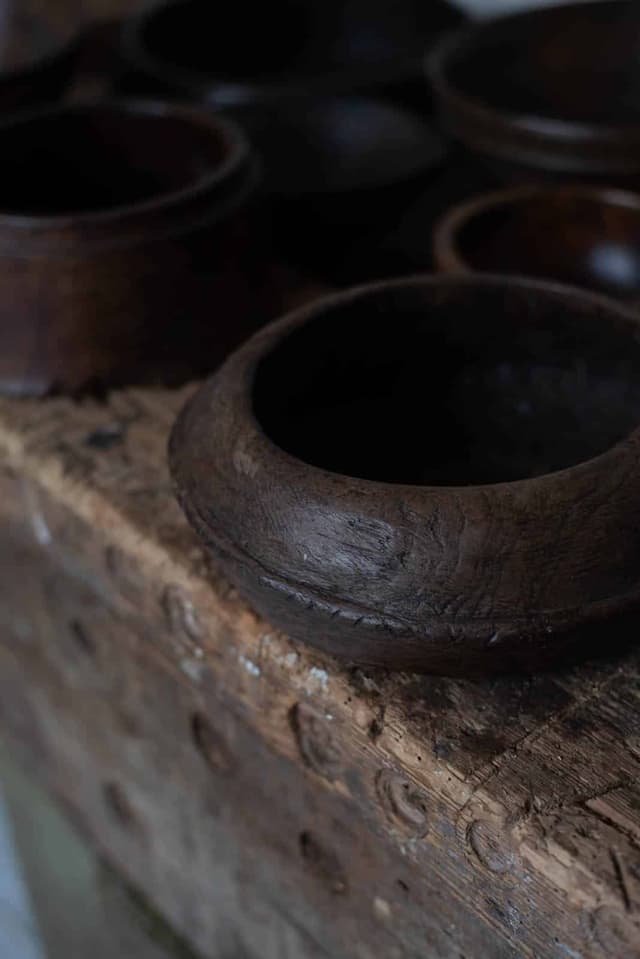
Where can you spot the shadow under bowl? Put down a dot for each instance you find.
(119, 242)
(248, 52)
(437, 473)
(554, 90)
(585, 236)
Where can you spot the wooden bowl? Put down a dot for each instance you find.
(125, 248)
(554, 90)
(247, 52)
(338, 173)
(37, 58)
(581, 235)
(435, 473)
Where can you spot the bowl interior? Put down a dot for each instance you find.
(452, 384)
(225, 40)
(239, 40)
(581, 238)
(95, 158)
(575, 63)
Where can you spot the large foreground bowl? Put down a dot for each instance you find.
(435, 473)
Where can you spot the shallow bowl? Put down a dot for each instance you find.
(436, 473)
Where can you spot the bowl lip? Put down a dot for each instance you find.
(226, 91)
(238, 154)
(446, 249)
(58, 52)
(245, 361)
(520, 135)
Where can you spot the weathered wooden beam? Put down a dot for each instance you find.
(269, 802)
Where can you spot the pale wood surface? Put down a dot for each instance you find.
(340, 813)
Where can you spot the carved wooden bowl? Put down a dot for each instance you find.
(434, 473)
(125, 253)
(38, 55)
(247, 52)
(554, 90)
(576, 234)
(339, 172)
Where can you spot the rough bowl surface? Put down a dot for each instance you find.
(434, 473)
(582, 235)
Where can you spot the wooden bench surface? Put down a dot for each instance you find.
(268, 801)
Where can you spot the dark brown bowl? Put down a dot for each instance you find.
(436, 473)
(126, 253)
(339, 172)
(554, 90)
(37, 58)
(582, 235)
(247, 52)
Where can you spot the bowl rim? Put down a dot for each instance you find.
(237, 155)
(446, 232)
(542, 141)
(59, 51)
(246, 359)
(226, 91)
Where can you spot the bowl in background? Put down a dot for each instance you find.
(548, 92)
(126, 247)
(587, 236)
(246, 52)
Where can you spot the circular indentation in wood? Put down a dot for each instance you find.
(316, 741)
(404, 802)
(492, 846)
(323, 863)
(118, 804)
(105, 437)
(181, 614)
(210, 744)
